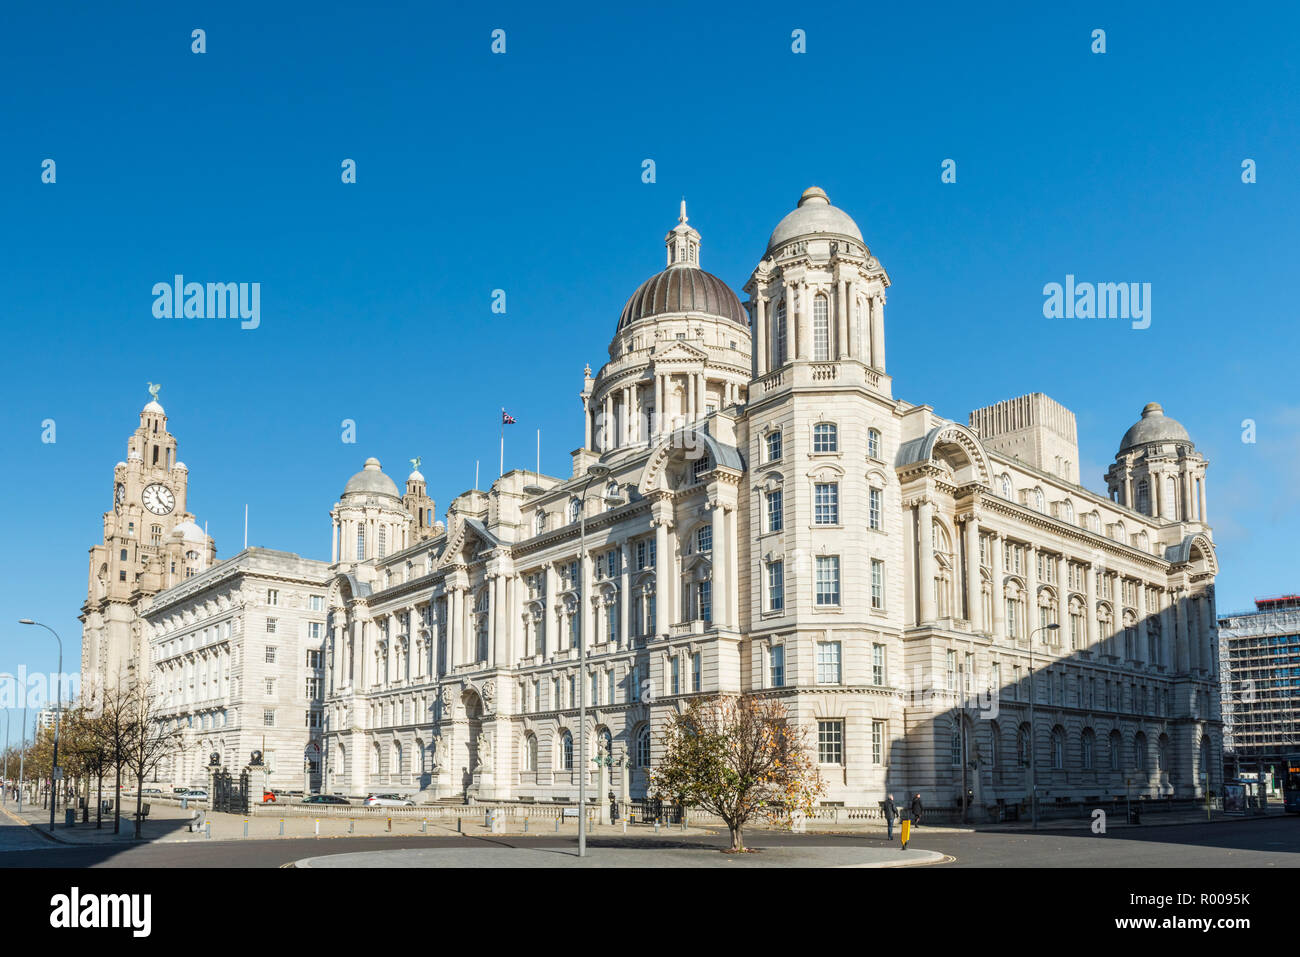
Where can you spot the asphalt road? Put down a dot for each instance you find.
(1260, 843)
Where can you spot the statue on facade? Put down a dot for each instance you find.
(488, 694)
(484, 751)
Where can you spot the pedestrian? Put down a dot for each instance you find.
(905, 825)
(891, 812)
(916, 808)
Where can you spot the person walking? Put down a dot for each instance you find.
(916, 808)
(905, 825)
(891, 812)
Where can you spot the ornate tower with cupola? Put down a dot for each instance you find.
(151, 542)
(680, 353)
(1158, 471)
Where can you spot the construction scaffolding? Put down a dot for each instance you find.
(1259, 661)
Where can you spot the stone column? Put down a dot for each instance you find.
(334, 548)
(791, 326)
(665, 586)
(1202, 498)
(607, 425)
(657, 426)
(624, 593)
(455, 627)
(805, 320)
(974, 596)
(1185, 663)
(878, 333)
(721, 566)
(842, 321)
(702, 384)
(925, 556)
(760, 337)
(999, 601)
(1140, 632)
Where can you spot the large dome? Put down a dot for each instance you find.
(683, 288)
(371, 479)
(1154, 426)
(814, 215)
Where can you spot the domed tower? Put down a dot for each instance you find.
(1158, 471)
(818, 294)
(370, 521)
(417, 502)
(681, 352)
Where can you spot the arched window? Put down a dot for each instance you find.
(1171, 498)
(530, 752)
(1067, 511)
(566, 751)
(1038, 499)
(539, 523)
(374, 759)
(421, 757)
(1144, 497)
(397, 758)
(821, 329)
(873, 444)
(1005, 484)
(1058, 748)
(1088, 746)
(1140, 751)
(778, 335)
(825, 437)
(643, 747)
(1115, 751)
(575, 510)
(1022, 745)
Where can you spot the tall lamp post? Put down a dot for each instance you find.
(1033, 771)
(4, 780)
(58, 712)
(594, 471)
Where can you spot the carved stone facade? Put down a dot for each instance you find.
(774, 520)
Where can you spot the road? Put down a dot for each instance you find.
(1274, 842)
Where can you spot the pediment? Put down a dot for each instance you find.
(680, 351)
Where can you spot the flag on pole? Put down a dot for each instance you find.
(507, 418)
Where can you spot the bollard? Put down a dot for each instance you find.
(525, 825)
(390, 824)
(624, 825)
(282, 827)
(351, 824)
(656, 825)
(318, 827)
(557, 825)
(208, 830)
(458, 825)
(245, 827)
(424, 826)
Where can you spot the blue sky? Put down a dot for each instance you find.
(522, 172)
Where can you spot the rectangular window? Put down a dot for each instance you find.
(950, 669)
(268, 718)
(653, 549)
(676, 675)
(314, 629)
(271, 624)
(640, 555)
(612, 687)
(313, 658)
(775, 515)
(830, 742)
(775, 586)
(776, 665)
(316, 603)
(270, 686)
(828, 580)
(828, 662)
(705, 601)
(877, 743)
(270, 654)
(774, 446)
(704, 539)
(612, 563)
(272, 597)
(313, 719)
(696, 671)
(826, 503)
(573, 691)
(877, 583)
(877, 664)
(313, 688)
(873, 509)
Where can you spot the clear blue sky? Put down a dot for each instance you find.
(523, 172)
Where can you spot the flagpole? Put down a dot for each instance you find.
(476, 475)
(502, 470)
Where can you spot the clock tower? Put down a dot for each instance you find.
(151, 542)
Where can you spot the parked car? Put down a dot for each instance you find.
(268, 797)
(179, 791)
(388, 800)
(197, 794)
(325, 799)
(152, 791)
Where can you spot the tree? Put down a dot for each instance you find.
(737, 756)
(147, 740)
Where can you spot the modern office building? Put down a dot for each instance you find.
(1259, 655)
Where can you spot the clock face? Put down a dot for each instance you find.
(158, 499)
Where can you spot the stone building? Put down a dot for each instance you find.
(764, 515)
(237, 662)
(150, 542)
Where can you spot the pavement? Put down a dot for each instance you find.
(607, 856)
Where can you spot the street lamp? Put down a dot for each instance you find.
(58, 712)
(1033, 771)
(594, 471)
